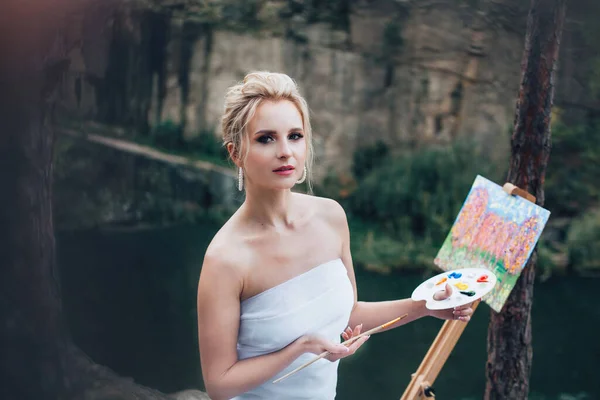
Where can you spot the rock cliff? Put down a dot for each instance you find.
(405, 72)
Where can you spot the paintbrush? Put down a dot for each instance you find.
(346, 343)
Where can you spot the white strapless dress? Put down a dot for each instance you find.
(318, 301)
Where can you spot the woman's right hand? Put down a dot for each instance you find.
(316, 344)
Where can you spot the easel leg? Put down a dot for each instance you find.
(435, 358)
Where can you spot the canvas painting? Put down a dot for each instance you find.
(496, 231)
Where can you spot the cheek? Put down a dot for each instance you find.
(257, 156)
(300, 150)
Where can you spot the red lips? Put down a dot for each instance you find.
(284, 168)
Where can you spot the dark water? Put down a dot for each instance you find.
(130, 301)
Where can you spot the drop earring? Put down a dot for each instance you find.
(303, 176)
(240, 179)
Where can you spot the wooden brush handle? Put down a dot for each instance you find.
(346, 343)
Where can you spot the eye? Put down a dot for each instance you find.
(296, 136)
(265, 139)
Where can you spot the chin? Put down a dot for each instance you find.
(282, 185)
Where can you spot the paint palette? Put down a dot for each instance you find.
(468, 285)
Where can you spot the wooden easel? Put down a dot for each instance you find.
(420, 386)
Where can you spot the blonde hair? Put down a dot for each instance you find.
(243, 99)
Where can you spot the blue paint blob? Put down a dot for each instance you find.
(455, 275)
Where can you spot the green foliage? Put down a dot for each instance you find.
(241, 11)
(376, 250)
(419, 192)
(573, 169)
(392, 42)
(392, 36)
(404, 206)
(242, 16)
(335, 12)
(95, 185)
(86, 191)
(571, 191)
(552, 254)
(209, 147)
(166, 135)
(204, 146)
(583, 241)
(368, 158)
(571, 188)
(594, 82)
(239, 16)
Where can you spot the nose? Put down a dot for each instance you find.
(283, 150)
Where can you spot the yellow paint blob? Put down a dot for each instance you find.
(462, 286)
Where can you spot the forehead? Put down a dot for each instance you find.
(279, 115)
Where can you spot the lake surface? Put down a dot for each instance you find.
(130, 298)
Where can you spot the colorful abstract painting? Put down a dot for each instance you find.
(493, 230)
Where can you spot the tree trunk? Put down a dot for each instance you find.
(38, 359)
(509, 334)
(33, 337)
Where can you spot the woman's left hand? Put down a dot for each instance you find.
(462, 313)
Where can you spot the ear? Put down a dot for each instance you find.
(234, 154)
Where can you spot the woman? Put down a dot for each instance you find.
(277, 284)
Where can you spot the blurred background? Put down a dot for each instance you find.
(410, 100)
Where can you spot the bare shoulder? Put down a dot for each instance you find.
(220, 262)
(328, 210)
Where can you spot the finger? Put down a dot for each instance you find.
(329, 346)
(354, 346)
(348, 331)
(467, 311)
(345, 336)
(357, 330)
(463, 307)
(463, 313)
(337, 349)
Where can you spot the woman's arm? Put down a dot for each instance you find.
(224, 375)
(372, 314)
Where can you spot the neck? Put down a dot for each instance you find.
(269, 208)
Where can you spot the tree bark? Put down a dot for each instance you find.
(38, 359)
(33, 337)
(509, 335)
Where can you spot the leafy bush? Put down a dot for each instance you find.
(209, 147)
(583, 241)
(573, 169)
(166, 135)
(205, 145)
(404, 208)
(419, 193)
(378, 251)
(368, 158)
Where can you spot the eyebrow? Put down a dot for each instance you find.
(272, 132)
